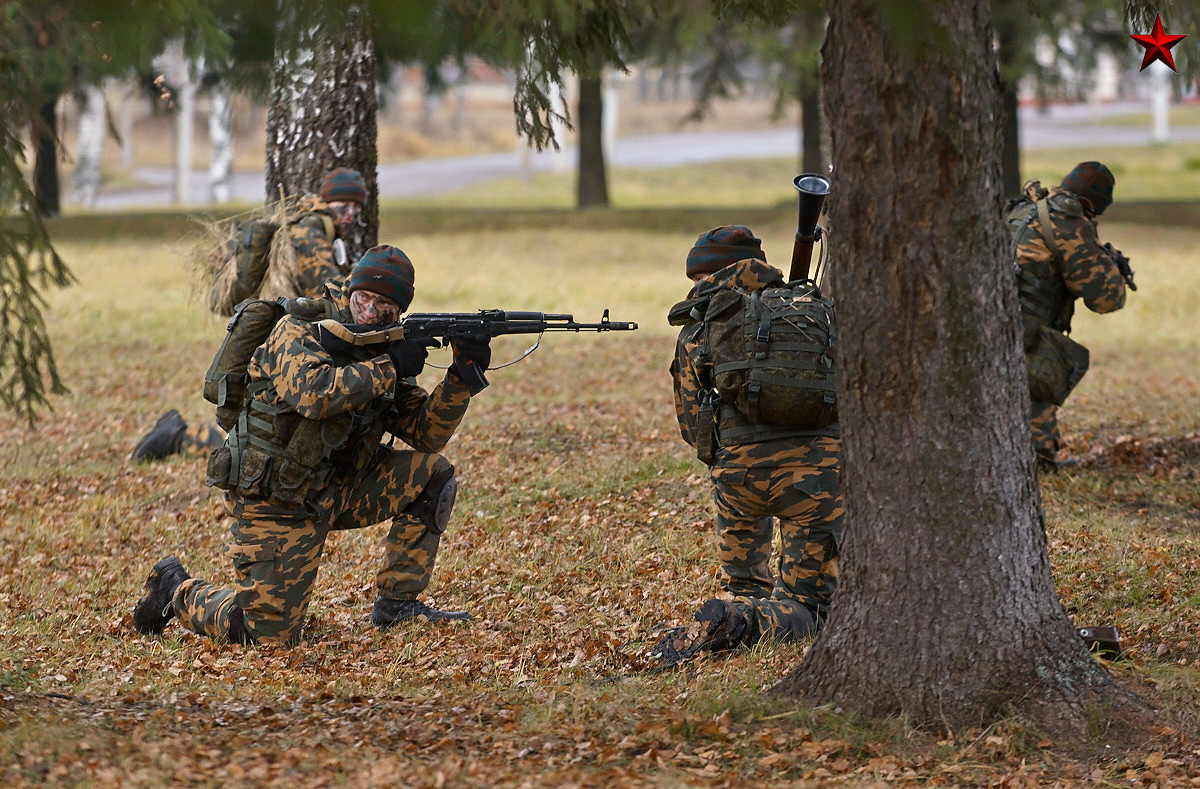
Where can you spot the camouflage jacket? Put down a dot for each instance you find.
(1047, 289)
(292, 373)
(690, 389)
(315, 261)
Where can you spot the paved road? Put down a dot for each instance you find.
(1065, 126)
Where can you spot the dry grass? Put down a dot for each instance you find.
(582, 525)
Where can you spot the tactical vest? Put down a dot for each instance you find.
(273, 453)
(1041, 289)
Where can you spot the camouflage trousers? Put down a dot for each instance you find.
(1043, 420)
(202, 440)
(276, 551)
(804, 494)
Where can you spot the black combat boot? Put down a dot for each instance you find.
(165, 438)
(718, 626)
(392, 612)
(154, 610)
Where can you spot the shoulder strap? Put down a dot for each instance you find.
(1046, 227)
(327, 221)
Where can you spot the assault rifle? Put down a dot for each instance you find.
(437, 329)
(1122, 264)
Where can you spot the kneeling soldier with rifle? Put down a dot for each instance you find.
(306, 415)
(305, 457)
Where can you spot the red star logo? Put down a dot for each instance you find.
(1158, 45)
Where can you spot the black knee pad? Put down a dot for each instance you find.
(436, 502)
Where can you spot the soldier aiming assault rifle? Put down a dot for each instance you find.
(436, 329)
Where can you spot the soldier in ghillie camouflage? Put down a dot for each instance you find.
(316, 255)
(759, 473)
(1059, 259)
(306, 458)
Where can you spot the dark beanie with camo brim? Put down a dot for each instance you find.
(386, 271)
(1093, 183)
(344, 185)
(721, 247)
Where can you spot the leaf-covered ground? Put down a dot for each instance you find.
(583, 526)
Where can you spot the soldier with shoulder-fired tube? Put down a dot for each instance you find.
(765, 423)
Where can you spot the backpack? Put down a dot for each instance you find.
(772, 354)
(1055, 363)
(226, 380)
(249, 248)
(246, 256)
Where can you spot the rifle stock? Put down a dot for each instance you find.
(812, 189)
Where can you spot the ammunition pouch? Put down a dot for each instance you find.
(706, 428)
(1055, 362)
(276, 455)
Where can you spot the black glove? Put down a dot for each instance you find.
(407, 357)
(472, 355)
(471, 349)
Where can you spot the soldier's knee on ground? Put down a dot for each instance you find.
(436, 502)
(238, 632)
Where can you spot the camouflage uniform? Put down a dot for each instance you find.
(1048, 290)
(277, 541)
(315, 264)
(310, 237)
(793, 478)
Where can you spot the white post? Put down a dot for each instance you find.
(1160, 99)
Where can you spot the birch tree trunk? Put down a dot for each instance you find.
(323, 109)
(85, 183)
(221, 144)
(946, 609)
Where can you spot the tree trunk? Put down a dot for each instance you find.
(45, 160)
(1013, 42)
(811, 160)
(323, 110)
(221, 144)
(593, 175)
(946, 609)
(85, 183)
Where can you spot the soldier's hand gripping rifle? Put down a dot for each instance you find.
(1122, 264)
(436, 329)
(813, 189)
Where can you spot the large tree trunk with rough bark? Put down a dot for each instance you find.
(323, 109)
(592, 172)
(946, 609)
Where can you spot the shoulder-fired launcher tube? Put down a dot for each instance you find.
(812, 189)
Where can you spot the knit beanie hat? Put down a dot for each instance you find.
(1093, 183)
(386, 271)
(344, 184)
(723, 247)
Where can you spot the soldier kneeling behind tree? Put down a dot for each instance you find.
(760, 469)
(305, 457)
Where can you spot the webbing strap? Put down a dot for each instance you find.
(1046, 227)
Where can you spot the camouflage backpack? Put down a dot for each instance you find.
(226, 380)
(772, 353)
(249, 248)
(252, 259)
(1055, 363)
